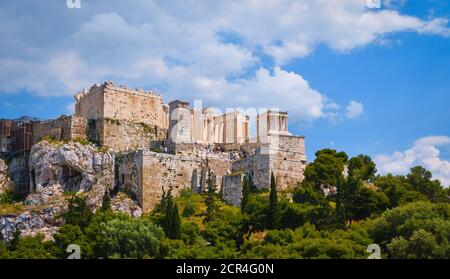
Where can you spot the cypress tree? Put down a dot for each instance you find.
(15, 240)
(210, 199)
(251, 185)
(273, 204)
(106, 203)
(78, 213)
(175, 224)
(167, 207)
(245, 192)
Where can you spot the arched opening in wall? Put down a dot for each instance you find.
(33, 181)
(61, 133)
(71, 179)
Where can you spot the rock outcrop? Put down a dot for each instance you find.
(30, 223)
(57, 168)
(57, 171)
(4, 178)
(122, 203)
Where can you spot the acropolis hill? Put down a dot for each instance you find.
(154, 145)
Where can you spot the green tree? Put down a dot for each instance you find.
(326, 169)
(130, 238)
(420, 179)
(78, 212)
(12, 245)
(171, 221)
(305, 193)
(211, 198)
(106, 203)
(361, 167)
(421, 245)
(30, 247)
(273, 214)
(245, 192)
(72, 234)
(175, 226)
(252, 185)
(394, 230)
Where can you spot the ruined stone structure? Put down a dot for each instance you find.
(16, 135)
(189, 127)
(156, 146)
(64, 128)
(121, 103)
(232, 193)
(146, 174)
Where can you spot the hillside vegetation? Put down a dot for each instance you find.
(407, 216)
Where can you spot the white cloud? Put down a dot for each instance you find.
(70, 108)
(177, 47)
(425, 152)
(354, 110)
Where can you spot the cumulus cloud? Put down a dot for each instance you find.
(425, 152)
(354, 110)
(179, 47)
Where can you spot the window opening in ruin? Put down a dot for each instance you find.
(71, 179)
(33, 181)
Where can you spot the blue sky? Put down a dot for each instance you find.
(372, 81)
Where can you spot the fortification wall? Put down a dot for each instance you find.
(63, 128)
(285, 158)
(288, 163)
(128, 173)
(232, 188)
(90, 104)
(146, 173)
(122, 103)
(124, 135)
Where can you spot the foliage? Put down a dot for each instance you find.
(407, 231)
(211, 199)
(170, 218)
(28, 248)
(361, 167)
(326, 169)
(246, 190)
(78, 212)
(408, 216)
(106, 202)
(273, 213)
(420, 180)
(305, 193)
(130, 238)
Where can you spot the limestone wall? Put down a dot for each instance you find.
(122, 103)
(124, 135)
(89, 104)
(286, 159)
(288, 163)
(146, 173)
(63, 128)
(232, 188)
(129, 173)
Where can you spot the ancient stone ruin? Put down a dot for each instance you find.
(152, 145)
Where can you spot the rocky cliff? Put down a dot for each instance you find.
(4, 178)
(57, 171)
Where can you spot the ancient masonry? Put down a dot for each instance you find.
(157, 145)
